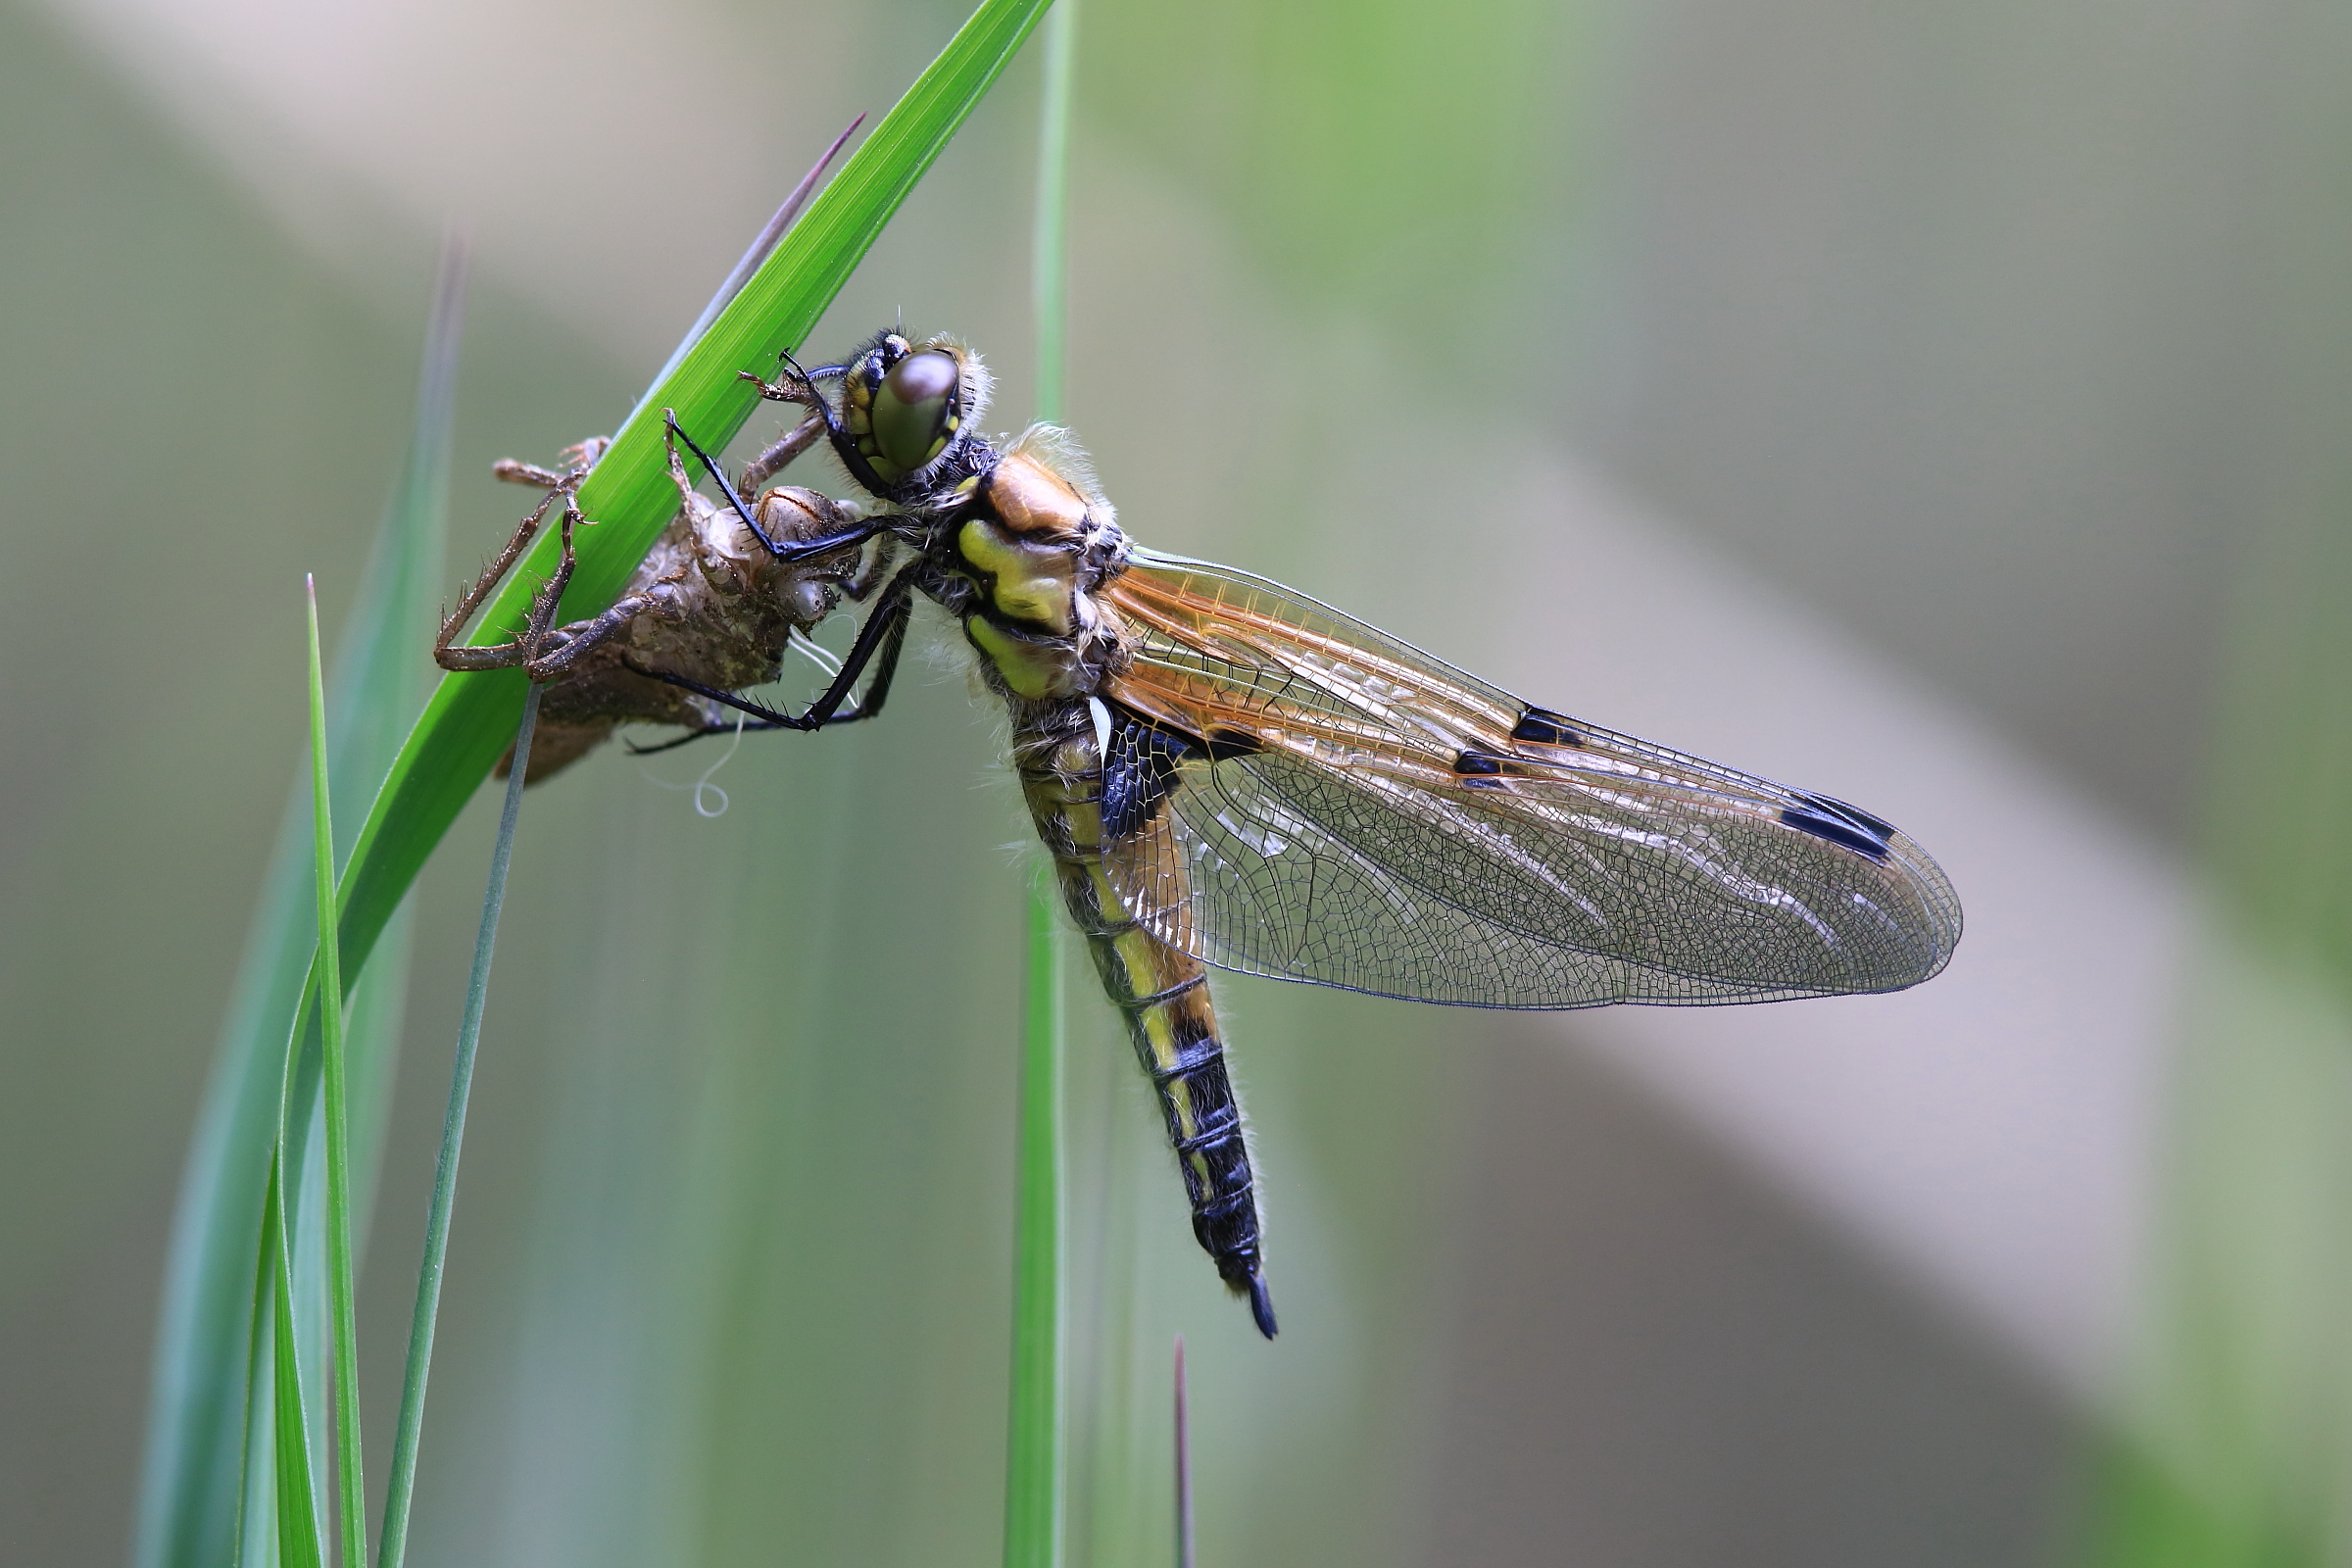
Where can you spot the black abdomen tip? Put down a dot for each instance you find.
(1261, 1305)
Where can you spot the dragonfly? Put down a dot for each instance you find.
(1227, 773)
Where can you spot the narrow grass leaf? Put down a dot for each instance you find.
(1036, 1466)
(754, 255)
(1184, 1464)
(200, 1407)
(344, 1410)
(1034, 1459)
(402, 1489)
(1049, 239)
(255, 1537)
(299, 1545)
(189, 1504)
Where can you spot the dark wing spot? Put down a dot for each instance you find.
(1140, 769)
(1540, 726)
(1483, 770)
(1844, 834)
(1881, 830)
(1136, 773)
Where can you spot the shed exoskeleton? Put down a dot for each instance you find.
(711, 610)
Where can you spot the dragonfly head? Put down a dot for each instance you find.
(908, 408)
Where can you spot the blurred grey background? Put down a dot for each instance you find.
(1887, 399)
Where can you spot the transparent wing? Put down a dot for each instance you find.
(1291, 791)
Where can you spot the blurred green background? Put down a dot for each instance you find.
(1944, 408)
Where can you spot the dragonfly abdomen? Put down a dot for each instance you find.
(1161, 992)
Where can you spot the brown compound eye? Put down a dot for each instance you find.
(915, 412)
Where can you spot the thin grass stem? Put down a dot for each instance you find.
(1033, 1460)
(1035, 1463)
(394, 1545)
(343, 1411)
(1183, 1465)
(1050, 246)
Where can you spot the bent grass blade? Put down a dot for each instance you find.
(1034, 1464)
(208, 1442)
(343, 1418)
(196, 1477)
(465, 725)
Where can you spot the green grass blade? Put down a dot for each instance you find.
(467, 723)
(1184, 1464)
(255, 1537)
(190, 1506)
(402, 1486)
(1050, 243)
(343, 1417)
(198, 1442)
(1036, 1469)
(298, 1540)
(381, 679)
(1033, 1460)
(754, 255)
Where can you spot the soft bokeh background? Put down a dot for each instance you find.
(1941, 407)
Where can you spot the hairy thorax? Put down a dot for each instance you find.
(1037, 542)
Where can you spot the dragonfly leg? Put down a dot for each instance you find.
(868, 575)
(693, 735)
(886, 665)
(799, 549)
(796, 386)
(879, 642)
(671, 434)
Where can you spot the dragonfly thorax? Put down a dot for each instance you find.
(1036, 543)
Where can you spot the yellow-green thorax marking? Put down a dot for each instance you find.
(1024, 544)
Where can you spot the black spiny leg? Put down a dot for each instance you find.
(693, 735)
(792, 554)
(878, 644)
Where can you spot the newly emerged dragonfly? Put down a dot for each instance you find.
(1227, 772)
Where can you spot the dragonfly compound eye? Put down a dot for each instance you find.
(914, 412)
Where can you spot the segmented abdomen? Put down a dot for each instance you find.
(1163, 994)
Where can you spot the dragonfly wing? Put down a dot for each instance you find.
(1292, 792)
